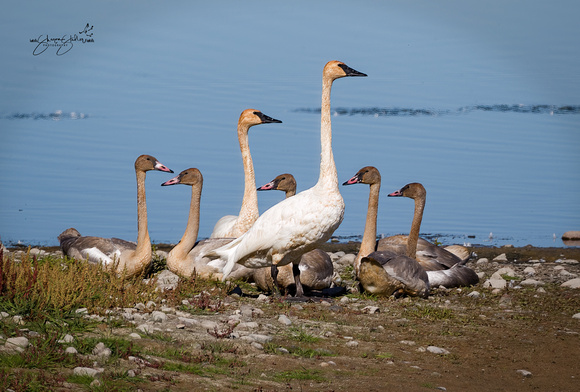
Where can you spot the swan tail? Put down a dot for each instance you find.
(228, 254)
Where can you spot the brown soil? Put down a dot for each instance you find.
(489, 338)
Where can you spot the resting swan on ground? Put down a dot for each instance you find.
(430, 256)
(297, 224)
(457, 274)
(232, 226)
(186, 258)
(316, 268)
(126, 256)
(384, 273)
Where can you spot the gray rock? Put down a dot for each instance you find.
(573, 283)
(17, 344)
(529, 271)
(71, 350)
(283, 319)
(101, 350)
(67, 339)
(134, 335)
(146, 328)
(189, 322)
(352, 344)
(248, 325)
(262, 339)
(158, 317)
(501, 257)
(85, 371)
(576, 316)
(474, 294)
(167, 280)
(481, 261)
(347, 259)
(371, 309)
(531, 282)
(495, 283)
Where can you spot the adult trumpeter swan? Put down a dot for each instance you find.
(316, 268)
(128, 256)
(297, 224)
(233, 226)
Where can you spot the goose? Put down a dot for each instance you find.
(316, 268)
(385, 272)
(296, 225)
(126, 256)
(233, 226)
(185, 259)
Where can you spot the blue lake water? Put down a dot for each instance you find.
(479, 102)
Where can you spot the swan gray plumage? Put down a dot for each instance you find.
(132, 258)
(384, 272)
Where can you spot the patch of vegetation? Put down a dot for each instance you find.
(300, 374)
(429, 312)
(300, 335)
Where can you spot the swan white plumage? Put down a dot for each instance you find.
(316, 268)
(297, 224)
(127, 256)
(232, 226)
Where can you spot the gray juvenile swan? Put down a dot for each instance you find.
(127, 256)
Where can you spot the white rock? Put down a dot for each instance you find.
(146, 328)
(283, 319)
(495, 283)
(347, 259)
(67, 339)
(158, 317)
(18, 343)
(474, 294)
(408, 342)
(208, 324)
(282, 350)
(248, 325)
(71, 350)
(567, 261)
(437, 350)
(134, 335)
(573, 284)
(529, 271)
(576, 316)
(101, 350)
(263, 339)
(501, 257)
(524, 373)
(167, 280)
(505, 271)
(257, 345)
(352, 344)
(263, 298)
(189, 322)
(483, 260)
(85, 371)
(531, 282)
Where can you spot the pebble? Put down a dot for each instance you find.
(352, 344)
(145, 328)
(371, 309)
(283, 319)
(101, 350)
(347, 259)
(573, 283)
(71, 350)
(483, 260)
(67, 339)
(85, 371)
(158, 317)
(437, 350)
(529, 270)
(134, 335)
(474, 294)
(531, 282)
(501, 257)
(525, 373)
(167, 280)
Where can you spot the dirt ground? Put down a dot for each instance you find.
(522, 338)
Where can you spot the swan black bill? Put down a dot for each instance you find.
(350, 71)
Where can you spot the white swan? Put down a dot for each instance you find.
(298, 224)
(231, 225)
(186, 258)
(126, 256)
(316, 268)
(384, 273)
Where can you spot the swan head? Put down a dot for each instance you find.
(337, 69)
(367, 175)
(147, 162)
(284, 182)
(191, 176)
(413, 190)
(251, 117)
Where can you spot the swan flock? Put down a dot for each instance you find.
(279, 248)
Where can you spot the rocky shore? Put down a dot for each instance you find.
(518, 329)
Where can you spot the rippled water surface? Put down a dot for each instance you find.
(481, 106)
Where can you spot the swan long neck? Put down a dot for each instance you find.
(290, 193)
(368, 242)
(415, 228)
(180, 251)
(328, 175)
(249, 211)
(143, 251)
